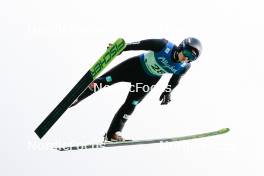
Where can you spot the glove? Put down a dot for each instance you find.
(165, 98)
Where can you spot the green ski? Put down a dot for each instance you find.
(148, 141)
(89, 77)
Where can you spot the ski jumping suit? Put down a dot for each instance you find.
(146, 70)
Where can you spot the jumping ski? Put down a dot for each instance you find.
(147, 141)
(114, 50)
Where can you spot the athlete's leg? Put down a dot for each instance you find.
(120, 73)
(135, 96)
(98, 84)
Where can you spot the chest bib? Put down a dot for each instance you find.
(159, 63)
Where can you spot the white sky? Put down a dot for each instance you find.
(47, 46)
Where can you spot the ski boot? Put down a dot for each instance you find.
(116, 137)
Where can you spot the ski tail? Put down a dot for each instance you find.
(89, 77)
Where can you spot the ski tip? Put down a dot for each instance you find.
(224, 130)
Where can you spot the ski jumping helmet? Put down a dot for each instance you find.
(191, 47)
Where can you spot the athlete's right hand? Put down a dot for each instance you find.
(165, 98)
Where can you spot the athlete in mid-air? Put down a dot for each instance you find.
(143, 72)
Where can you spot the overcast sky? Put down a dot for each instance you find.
(47, 46)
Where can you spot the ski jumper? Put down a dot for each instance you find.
(144, 70)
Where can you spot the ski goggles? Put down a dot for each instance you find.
(190, 54)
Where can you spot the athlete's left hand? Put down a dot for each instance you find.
(165, 98)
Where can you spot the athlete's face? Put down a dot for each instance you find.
(180, 58)
(185, 56)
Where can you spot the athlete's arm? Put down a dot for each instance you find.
(165, 97)
(174, 81)
(149, 44)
